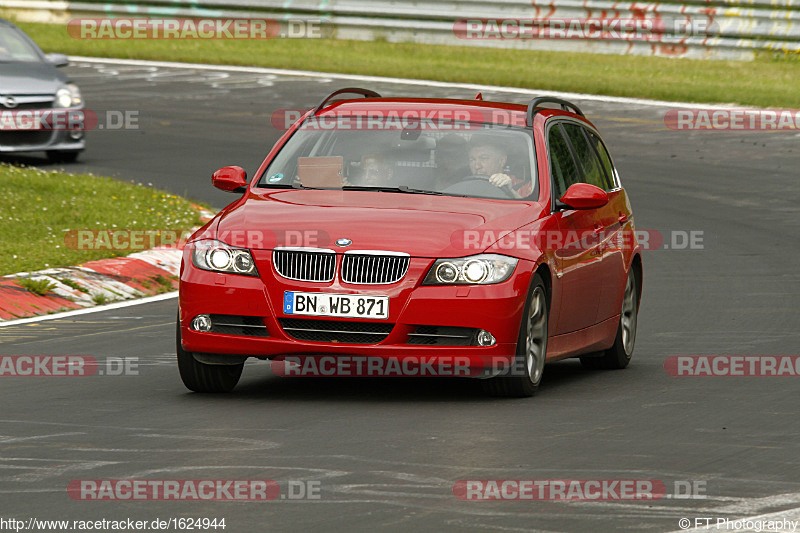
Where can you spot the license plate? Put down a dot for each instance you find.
(339, 305)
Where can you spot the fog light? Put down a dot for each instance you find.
(76, 135)
(201, 323)
(485, 338)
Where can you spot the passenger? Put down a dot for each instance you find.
(488, 157)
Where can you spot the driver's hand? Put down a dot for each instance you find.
(500, 180)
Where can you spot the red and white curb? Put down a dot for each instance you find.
(94, 283)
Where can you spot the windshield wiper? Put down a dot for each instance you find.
(383, 188)
(294, 185)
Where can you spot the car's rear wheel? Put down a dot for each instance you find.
(620, 353)
(525, 375)
(201, 377)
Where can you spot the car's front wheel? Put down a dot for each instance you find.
(620, 353)
(525, 375)
(201, 377)
(63, 156)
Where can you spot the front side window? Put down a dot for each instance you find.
(563, 170)
(14, 47)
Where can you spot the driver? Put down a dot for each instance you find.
(487, 157)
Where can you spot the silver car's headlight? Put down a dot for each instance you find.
(217, 256)
(68, 96)
(483, 269)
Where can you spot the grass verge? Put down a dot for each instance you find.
(43, 207)
(769, 81)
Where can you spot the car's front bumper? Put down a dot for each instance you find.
(494, 308)
(37, 140)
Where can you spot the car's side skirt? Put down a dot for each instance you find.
(583, 341)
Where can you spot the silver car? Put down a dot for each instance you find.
(30, 81)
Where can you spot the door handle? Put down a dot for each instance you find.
(598, 228)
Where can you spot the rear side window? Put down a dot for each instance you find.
(587, 158)
(562, 165)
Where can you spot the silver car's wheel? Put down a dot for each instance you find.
(63, 156)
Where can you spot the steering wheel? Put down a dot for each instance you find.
(506, 189)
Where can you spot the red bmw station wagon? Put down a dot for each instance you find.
(399, 236)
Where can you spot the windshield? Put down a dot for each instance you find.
(14, 47)
(459, 159)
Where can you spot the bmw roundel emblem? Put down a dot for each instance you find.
(343, 242)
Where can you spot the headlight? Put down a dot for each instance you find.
(482, 269)
(217, 256)
(68, 96)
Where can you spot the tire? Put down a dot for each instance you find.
(523, 379)
(63, 156)
(200, 377)
(620, 353)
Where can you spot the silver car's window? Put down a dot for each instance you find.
(14, 47)
(459, 160)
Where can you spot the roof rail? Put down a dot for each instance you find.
(532, 107)
(366, 93)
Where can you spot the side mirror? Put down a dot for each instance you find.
(231, 179)
(584, 196)
(57, 60)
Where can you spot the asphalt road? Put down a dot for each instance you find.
(387, 453)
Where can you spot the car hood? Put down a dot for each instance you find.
(30, 78)
(420, 225)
